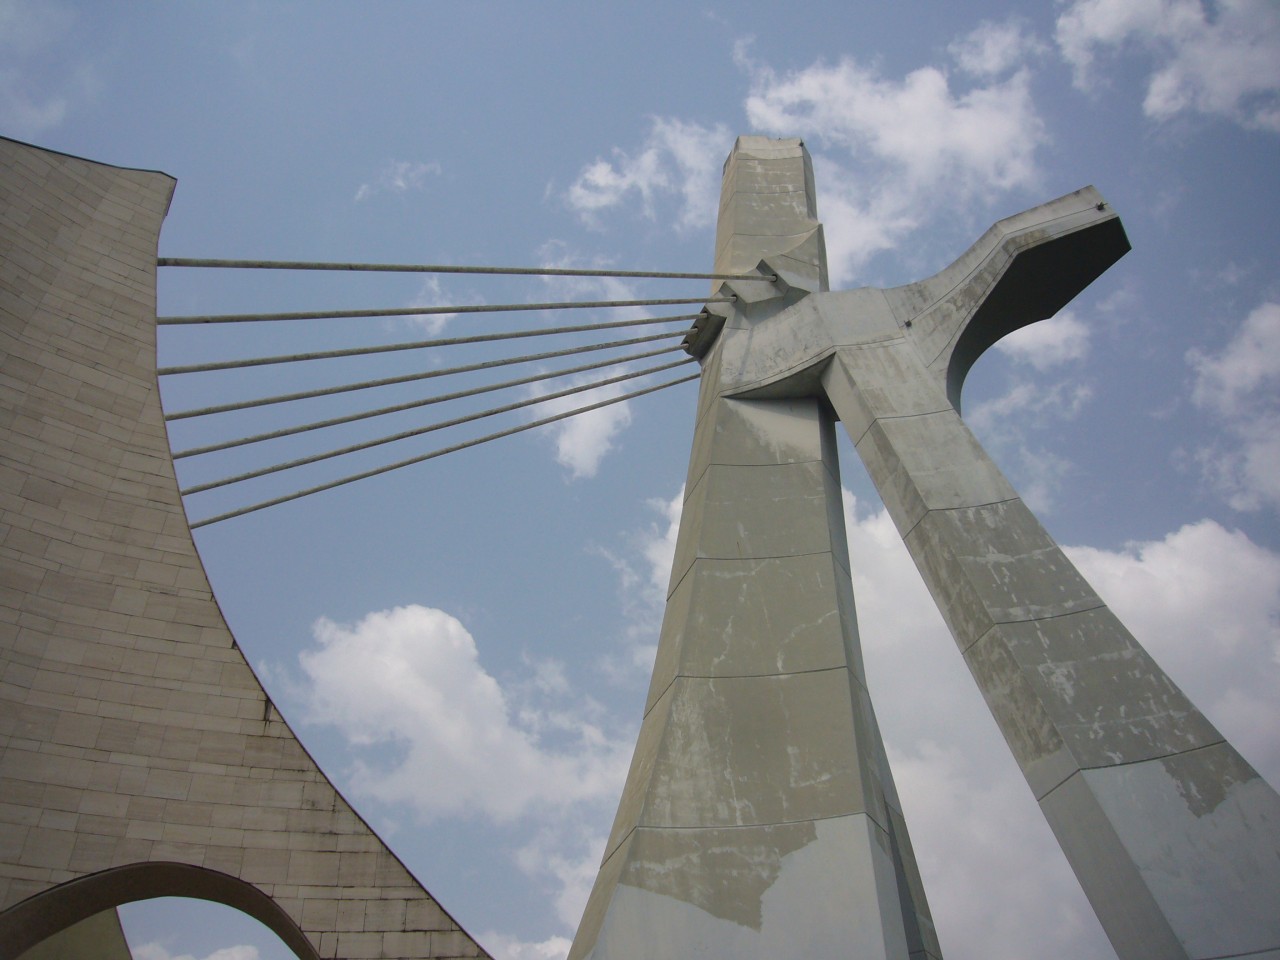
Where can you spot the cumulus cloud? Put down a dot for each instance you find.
(156, 951)
(1237, 387)
(893, 145)
(438, 733)
(33, 97)
(993, 48)
(644, 571)
(1204, 600)
(1216, 57)
(570, 857)
(981, 138)
(582, 441)
(432, 293)
(1007, 423)
(1050, 343)
(883, 147)
(504, 947)
(1229, 382)
(399, 176)
(679, 160)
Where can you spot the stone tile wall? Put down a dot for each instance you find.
(139, 756)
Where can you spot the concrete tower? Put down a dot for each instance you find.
(758, 818)
(139, 757)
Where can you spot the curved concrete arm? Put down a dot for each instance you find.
(1025, 268)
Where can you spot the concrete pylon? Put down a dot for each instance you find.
(726, 843)
(759, 817)
(139, 757)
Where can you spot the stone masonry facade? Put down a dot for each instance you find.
(139, 755)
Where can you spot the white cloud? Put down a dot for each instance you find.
(1006, 424)
(558, 255)
(432, 293)
(659, 544)
(1238, 387)
(890, 147)
(1230, 382)
(1049, 343)
(1204, 600)
(894, 147)
(155, 951)
(504, 947)
(644, 572)
(679, 159)
(32, 99)
(995, 48)
(1248, 473)
(570, 857)
(1004, 416)
(438, 733)
(983, 138)
(583, 440)
(399, 176)
(974, 824)
(1217, 57)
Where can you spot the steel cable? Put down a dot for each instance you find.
(437, 453)
(429, 428)
(413, 345)
(445, 268)
(411, 377)
(413, 404)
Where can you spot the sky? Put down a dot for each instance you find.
(464, 645)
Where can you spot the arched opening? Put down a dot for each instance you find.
(1038, 283)
(170, 927)
(37, 918)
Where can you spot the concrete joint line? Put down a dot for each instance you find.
(1100, 605)
(1131, 763)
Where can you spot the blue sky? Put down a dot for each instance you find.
(464, 645)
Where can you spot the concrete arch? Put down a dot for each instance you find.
(33, 920)
(132, 730)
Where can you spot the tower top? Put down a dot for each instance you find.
(769, 208)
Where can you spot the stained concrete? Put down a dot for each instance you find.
(1174, 838)
(139, 756)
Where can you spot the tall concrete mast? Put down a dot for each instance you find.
(759, 818)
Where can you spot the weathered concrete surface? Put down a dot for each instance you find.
(139, 756)
(759, 818)
(1175, 839)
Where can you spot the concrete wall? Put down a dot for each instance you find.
(139, 756)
